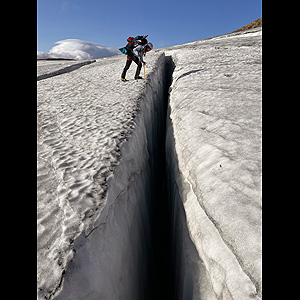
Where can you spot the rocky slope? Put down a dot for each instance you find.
(254, 24)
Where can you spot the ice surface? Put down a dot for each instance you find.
(50, 68)
(94, 153)
(214, 156)
(96, 139)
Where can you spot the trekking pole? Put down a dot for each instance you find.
(144, 71)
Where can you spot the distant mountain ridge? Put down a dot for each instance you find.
(254, 24)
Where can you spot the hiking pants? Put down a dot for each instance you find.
(128, 63)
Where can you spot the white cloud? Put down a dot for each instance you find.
(42, 55)
(78, 49)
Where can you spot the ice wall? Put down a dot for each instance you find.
(113, 261)
(213, 150)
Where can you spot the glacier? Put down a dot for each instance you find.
(214, 163)
(182, 145)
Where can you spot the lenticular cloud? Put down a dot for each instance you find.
(78, 49)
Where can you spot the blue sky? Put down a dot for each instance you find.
(167, 22)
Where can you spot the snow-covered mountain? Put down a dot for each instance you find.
(105, 207)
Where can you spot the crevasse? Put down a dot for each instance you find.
(127, 255)
(155, 238)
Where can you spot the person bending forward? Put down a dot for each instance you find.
(136, 55)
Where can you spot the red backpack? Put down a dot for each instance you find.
(132, 42)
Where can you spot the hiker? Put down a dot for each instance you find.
(136, 53)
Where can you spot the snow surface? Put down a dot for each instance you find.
(96, 139)
(214, 157)
(50, 68)
(93, 172)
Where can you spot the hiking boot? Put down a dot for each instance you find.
(138, 77)
(123, 79)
